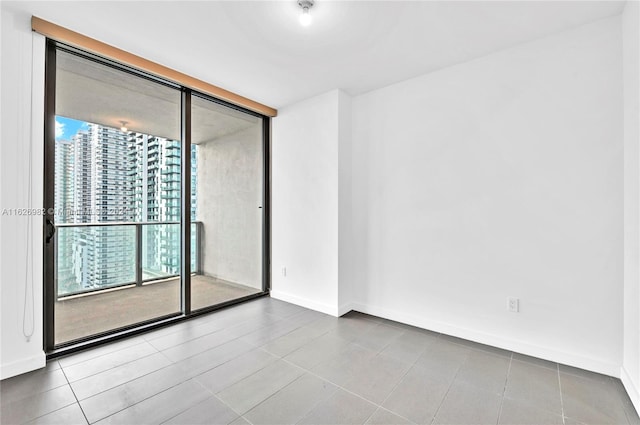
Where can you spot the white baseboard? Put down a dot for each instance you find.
(344, 309)
(631, 388)
(307, 303)
(547, 353)
(23, 366)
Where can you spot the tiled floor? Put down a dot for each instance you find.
(269, 362)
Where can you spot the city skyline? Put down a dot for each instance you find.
(106, 175)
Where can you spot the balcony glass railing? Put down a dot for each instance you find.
(98, 256)
(171, 161)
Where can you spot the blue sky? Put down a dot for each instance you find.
(67, 127)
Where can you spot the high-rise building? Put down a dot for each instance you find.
(154, 170)
(64, 200)
(83, 181)
(110, 177)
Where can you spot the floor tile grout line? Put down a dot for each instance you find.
(246, 377)
(53, 411)
(470, 347)
(70, 356)
(212, 333)
(112, 368)
(504, 390)
(297, 348)
(176, 362)
(407, 327)
(331, 382)
(190, 325)
(143, 342)
(560, 390)
(127, 382)
(244, 320)
(145, 399)
(335, 390)
(248, 421)
(204, 351)
(391, 340)
(446, 394)
(343, 388)
(387, 344)
(278, 357)
(279, 336)
(233, 339)
(186, 341)
(263, 347)
(202, 401)
(366, 421)
(75, 396)
(381, 406)
(182, 381)
(4, 403)
(281, 389)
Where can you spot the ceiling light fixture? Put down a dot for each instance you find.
(305, 17)
(124, 126)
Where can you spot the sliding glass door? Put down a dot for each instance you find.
(227, 208)
(126, 154)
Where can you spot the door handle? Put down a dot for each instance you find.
(51, 231)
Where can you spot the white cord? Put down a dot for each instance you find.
(28, 283)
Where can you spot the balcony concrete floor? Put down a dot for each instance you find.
(99, 312)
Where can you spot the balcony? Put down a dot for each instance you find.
(172, 161)
(111, 275)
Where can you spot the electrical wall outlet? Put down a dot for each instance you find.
(284, 271)
(513, 304)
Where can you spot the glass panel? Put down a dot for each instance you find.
(160, 251)
(117, 198)
(227, 196)
(95, 257)
(195, 248)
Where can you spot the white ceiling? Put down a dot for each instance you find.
(259, 50)
(92, 92)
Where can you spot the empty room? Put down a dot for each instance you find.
(320, 212)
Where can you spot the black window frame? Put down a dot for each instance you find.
(53, 350)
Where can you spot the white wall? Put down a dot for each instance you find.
(346, 219)
(500, 177)
(304, 203)
(497, 177)
(631, 57)
(22, 83)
